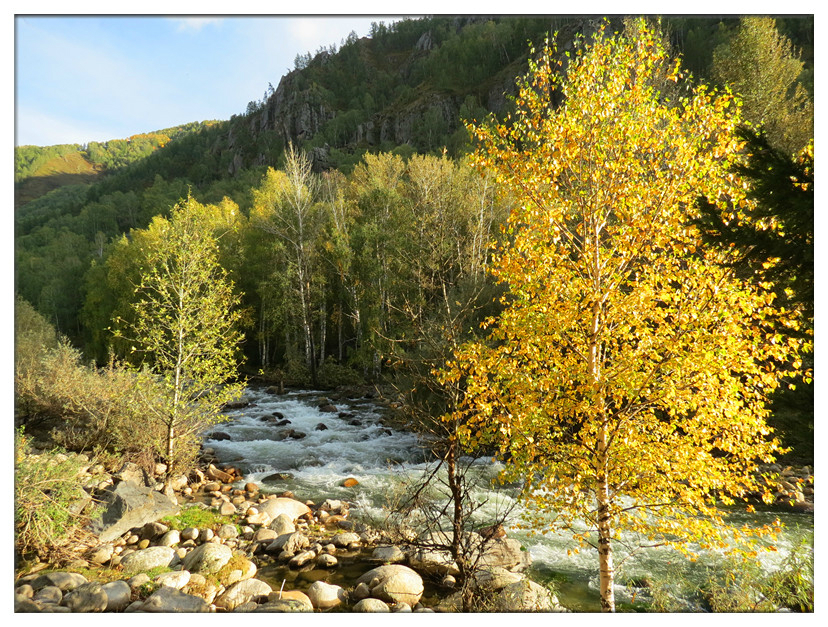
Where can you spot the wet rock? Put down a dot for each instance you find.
(277, 477)
(328, 409)
(321, 427)
(89, 597)
(326, 560)
(219, 436)
(350, 482)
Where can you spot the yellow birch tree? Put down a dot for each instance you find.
(624, 380)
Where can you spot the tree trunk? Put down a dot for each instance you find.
(605, 562)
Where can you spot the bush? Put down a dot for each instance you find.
(47, 497)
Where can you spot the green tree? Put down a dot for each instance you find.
(763, 67)
(185, 329)
(624, 381)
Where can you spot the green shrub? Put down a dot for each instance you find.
(47, 492)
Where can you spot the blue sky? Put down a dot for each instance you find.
(95, 78)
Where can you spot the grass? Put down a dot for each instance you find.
(199, 517)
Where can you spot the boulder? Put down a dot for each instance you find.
(371, 605)
(167, 599)
(23, 604)
(496, 578)
(227, 508)
(127, 506)
(505, 553)
(147, 559)
(242, 592)
(210, 557)
(118, 595)
(48, 594)
(325, 595)
(89, 597)
(218, 475)
(64, 581)
(394, 583)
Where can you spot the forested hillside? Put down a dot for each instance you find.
(389, 244)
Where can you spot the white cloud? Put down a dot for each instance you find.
(195, 23)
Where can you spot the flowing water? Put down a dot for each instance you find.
(326, 448)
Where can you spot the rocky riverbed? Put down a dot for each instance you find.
(136, 563)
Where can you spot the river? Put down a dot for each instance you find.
(330, 447)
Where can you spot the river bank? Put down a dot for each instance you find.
(328, 452)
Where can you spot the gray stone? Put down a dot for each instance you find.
(23, 604)
(292, 508)
(228, 531)
(171, 538)
(505, 553)
(242, 592)
(282, 524)
(388, 555)
(303, 558)
(149, 558)
(176, 579)
(207, 558)
(153, 530)
(326, 561)
(134, 474)
(525, 596)
(138, 580)
(48, 594)
(265, 535)
(89, 597)
(190, 533)
(128, 505)
(64, 581)
(283, 605)
(495, 578)
(167, 599)
(250, 606)
(345, 538)
(371, 605)
(102, 554)
(118, 594)
(325, 595)
(361, 591)
(25, 589)
(395, 583)
(289, 543)
(402, 607)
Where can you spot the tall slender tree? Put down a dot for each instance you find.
(185, 329)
